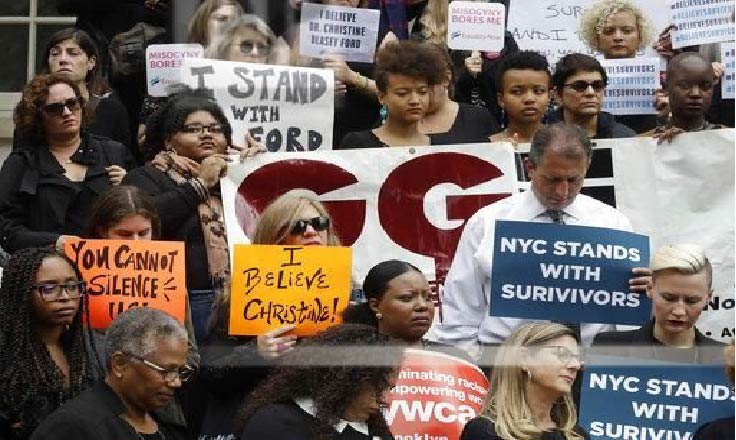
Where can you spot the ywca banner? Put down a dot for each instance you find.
(435, 396)
(404, 203)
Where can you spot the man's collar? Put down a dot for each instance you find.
(537, 209)
(307, 405)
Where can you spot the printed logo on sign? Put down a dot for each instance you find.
(455, 34)
(155, 80)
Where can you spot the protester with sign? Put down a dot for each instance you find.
(616, 28)
(44, 358)
(404, 72)
(49, 182)
(689, 87)
(558, 160)
(184, 180)
(579, 81)
(248, 39)
(210, 19)
(722, 428)
(448, 122)
(524, 83)
(531, 387)
(146, 351)
(73, 54)
(333, 387)
(682, 286)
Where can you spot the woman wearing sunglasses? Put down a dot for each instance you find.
(579, 81)
(44, 360)
(531, 385)
(248, 39)
(146, 351)
(48, 183)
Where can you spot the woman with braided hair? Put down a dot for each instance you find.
(44, 359)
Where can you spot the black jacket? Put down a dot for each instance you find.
(607, 127)
(95, 414)
(641, 343)
(177, 207)
(38, 203)
(482, 428)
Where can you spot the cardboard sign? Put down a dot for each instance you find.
(653, 401)
(551, 26)
(631, 86)
(476, 26)
(121, 274)
(350, 33)
(163, 64)
(276, 104)
(728, 56)
(567, 273)
(701, 22)
(277, 285)
(435, 396)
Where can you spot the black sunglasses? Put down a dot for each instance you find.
(319, 224)
(580, 86)
(246, 46)
(57, 108)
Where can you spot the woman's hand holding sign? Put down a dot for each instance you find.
(272, 345)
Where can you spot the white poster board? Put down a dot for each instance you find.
(476, 26)
(286, 108)
(631, 86)
(350, 33)
(701, 22)
(163, 65)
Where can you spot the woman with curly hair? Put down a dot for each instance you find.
(49, 182)
(616, 28)
(333, 387)
(44, 359)
(404, 73)
(531, 384)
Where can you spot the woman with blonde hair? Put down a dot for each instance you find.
(210, 18)
(616, 28)
(248, 39)
(531, 387)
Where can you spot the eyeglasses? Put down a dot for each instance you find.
(563, 354)
(247, 46)
(200, 128)
(52, 292)
(318, 224)
(57, 108)
(183, 373)
(581, 86)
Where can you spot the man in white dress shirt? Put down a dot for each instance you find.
(558, 160)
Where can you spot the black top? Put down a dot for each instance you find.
(472, 124)
(642, 343)
(177, 207)
(355, 110)
(365, 139)
(110, 119)
(38, 203)
(482, 428)
(721, 429)
(287, 421)
(639, 123)
(607, 127)
(95, 414)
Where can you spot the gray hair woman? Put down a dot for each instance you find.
(248, 39)
(146, 352)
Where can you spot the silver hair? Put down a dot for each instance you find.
(219, 48)
(139, 330)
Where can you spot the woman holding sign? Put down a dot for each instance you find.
(531, 386)
(44, 359)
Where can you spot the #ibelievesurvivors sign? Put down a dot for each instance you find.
(652, 402)
(701, 22)
(631, 85)
(336, 30)
(567, 273)
(728, 52)
(476, 26)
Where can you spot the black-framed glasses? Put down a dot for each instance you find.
(563, 354)
(318, 224)
(183, 373)
(581, 86)
(247, 46)
(201, 128)
(57, 108)
(50, 292)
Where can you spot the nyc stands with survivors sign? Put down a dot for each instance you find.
(122, 274)
(273, 286)
(434, 397)
(476, 26)
(567, 273)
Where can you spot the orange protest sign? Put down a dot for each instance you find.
(121, 274)
(277, 285)
(435, 396)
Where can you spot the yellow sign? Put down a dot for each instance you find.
(278, 285)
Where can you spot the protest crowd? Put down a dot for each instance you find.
(187, 252)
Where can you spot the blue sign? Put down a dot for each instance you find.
(567, 273)
(667, 402)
